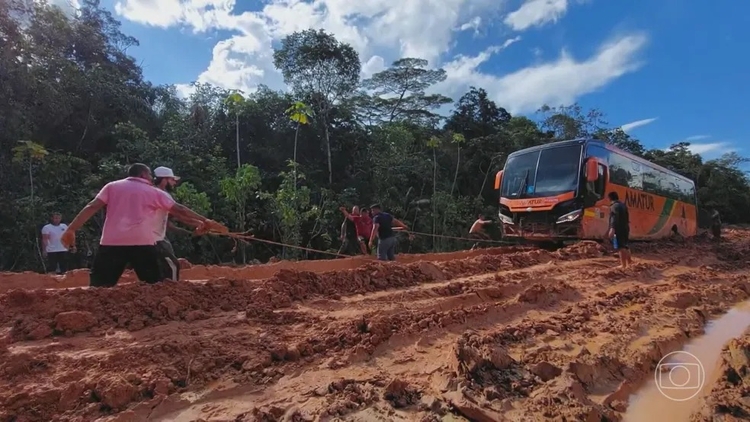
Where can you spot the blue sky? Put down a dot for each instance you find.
(675, 66)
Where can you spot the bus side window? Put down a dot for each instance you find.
(599, 185)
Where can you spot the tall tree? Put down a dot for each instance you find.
(570, 122)
(319, 67)
(399, 92)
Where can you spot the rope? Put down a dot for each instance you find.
(244, 237)
(468, 239)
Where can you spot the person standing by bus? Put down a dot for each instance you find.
(716, 224)
(619, 228)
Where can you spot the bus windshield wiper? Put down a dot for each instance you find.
(524, 183)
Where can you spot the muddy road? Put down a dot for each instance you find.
(502, 334)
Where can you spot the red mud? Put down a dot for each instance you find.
(80, 277)
(514, 335)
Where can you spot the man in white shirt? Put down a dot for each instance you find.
(165, 179)
(52, 247)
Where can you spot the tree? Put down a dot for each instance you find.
(291, 207)
(399, 92)
(27, 153)
(299, 113)
(234, 102)
(570, 122)
(476, 116)
(480, 121)
(458, 140)
(319, 67)
(239, 189)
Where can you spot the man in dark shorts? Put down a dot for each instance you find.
(619, 228)
(382, 229)
(128, 236)
(349, 239)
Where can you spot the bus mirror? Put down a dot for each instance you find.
(592, 169)
(498, 179)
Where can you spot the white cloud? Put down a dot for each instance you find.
(378, 30)
(696, 138)
(627, 127)
(383, 31)
(68, 6)
(712, 148)
(373, 66)
(473, 24)
(536, 13)
(554, 83)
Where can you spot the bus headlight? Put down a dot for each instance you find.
(571, 216)
(504, 218)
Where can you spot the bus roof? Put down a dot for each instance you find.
(580, 141)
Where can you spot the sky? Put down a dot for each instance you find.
(665, 71)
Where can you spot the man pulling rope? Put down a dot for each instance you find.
(134, 207)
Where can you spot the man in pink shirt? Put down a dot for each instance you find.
(134, 207)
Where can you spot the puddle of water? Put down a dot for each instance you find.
(686, 376)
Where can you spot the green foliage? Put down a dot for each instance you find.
(299, 113)
(291, 206)
(28, 151)
(187, 195)
(399, 93)
(240, 188)
(69, 85)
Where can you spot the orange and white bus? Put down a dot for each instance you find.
(558, 192)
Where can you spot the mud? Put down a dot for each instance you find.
(491, 335)
(729, 398)
(80, 277)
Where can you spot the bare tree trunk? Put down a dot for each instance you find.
(33, 212)
(328, 150)
(434, 192)
(486, 175)
(86, 128)
(296, 135)
(455, 176)
(237, 136)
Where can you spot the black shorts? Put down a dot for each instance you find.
(110, 263)
(623, 238)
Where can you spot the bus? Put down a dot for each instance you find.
(558, 192)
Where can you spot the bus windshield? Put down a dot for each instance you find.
(557, 173)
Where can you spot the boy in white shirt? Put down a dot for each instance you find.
(52, 248)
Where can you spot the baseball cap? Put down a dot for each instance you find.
(165, 172)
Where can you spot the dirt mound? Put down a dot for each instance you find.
(80, 277)
(728, 400)
(35, 314)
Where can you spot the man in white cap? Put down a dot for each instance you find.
(165, 179)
